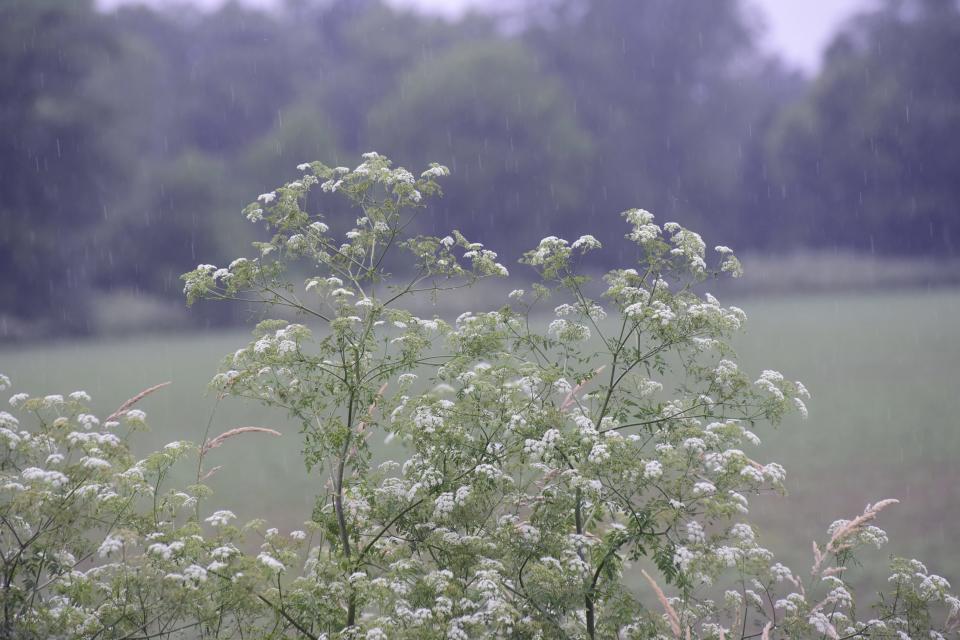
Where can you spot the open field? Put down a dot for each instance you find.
(884, 419)
(884, 372)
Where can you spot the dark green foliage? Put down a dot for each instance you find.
(126, 136)
(508, 132)
(869, 158)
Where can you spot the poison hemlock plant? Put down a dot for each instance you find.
(553, 484)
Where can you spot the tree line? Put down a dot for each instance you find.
(133, 138)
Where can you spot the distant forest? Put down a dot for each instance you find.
(130, 140)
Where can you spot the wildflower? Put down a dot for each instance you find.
(728, 556)
(91, 462)
(221, 518)
(330, 186)
(599, 454)
(652, 470)
(196, 573)
(781, 573)
(54, 478)
(18, 399)
(742, 532)
(135, 416)
(402, 176)
(435, 171)
(160, 549)
(586, 243)
(819, 621)
(682, 557)
(224, 552)
(695, 532)
(444, 504)
(270, 562)
(110, 545)
(704, 489)
(80, 396)
(752, 473)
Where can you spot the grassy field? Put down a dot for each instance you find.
(884, 371)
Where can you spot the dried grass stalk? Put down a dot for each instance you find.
(135, 399)
(226, 435)
(837, 543)
(372, 408)
(571, 396)
(672, 616)
(869, 513)
(210, 473)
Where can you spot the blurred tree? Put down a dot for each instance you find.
(509, 133)
(56, 173)
(137, 135)
(671, 92)
(359, 49)
(870, 158)
(165, 225)
(209, 88)
(303, 133)
(242, 72)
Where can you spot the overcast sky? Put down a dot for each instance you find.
(797, 29)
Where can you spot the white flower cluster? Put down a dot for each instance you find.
(644, 230)
(548, 247)
(540, 462)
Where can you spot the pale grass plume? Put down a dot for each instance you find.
(765, 634)
(741, 612)
(372, 408)
(836, 542)
(210, 473)
(797, 583)
(817, 557)
(572, 394)
(135, 399)
(869, 513)
(226, 435)
(672, 616)
(362, 425)
(830, 630)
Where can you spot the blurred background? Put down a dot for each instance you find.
(133, 134)
(820, 139)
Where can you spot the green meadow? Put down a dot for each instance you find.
(884, 419)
